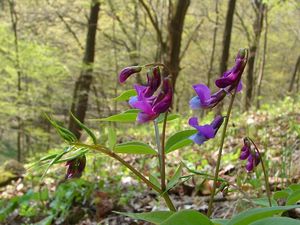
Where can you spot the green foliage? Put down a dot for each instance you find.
(179, 140)
(134, 147)
(124, 96)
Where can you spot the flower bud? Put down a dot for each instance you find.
(127, 72)
(154, 80)
(75, 167)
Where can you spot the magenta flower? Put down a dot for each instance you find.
(232, 76)
(205, 132)
(154, 80)
(152, 106)
(127, 72)
(251, 155)
(204, 98)
(75, 167)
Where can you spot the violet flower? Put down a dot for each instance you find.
(251, 155)
(75, 167)
(204, 98)
(127, 72)
(152, 106)
(232, 76)
(205, 132)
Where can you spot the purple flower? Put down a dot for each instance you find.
(127, 72)
(251, 155)
(152, 106)
(75, 167)
(154, 80)
(204, 98)
(205, 132)
(232, 76)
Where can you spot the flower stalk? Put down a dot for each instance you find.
(266, 177)
(216, 176)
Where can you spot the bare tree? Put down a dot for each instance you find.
(296, 69)
(263, 63)
(83, 83)
(258, 7)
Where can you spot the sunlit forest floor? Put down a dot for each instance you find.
(106, 186)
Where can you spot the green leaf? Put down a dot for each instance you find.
(84, 127)
(175, 178)
(170, 117)
(154, 180)
(219, 221)
(295, 187)
(255, 214)
(134, 147)
(187, 217)
(63, 132)
(264, 202)
(124, 117)
(277, 221)
(112, 138)
(179, 140)
(281, 194)
(293, 198)
(153, 217)
(124, 96)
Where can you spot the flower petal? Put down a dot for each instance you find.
(207, 131)
(198, 139)
(195, 103)
(203, 92)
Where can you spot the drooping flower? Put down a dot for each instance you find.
(127, 72)
(250, 154)
(204, 98)
(232, 76)
(75, 167)
(207, 131)
(152, 106)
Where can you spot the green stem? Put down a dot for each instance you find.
(163, 154)
(161, 157)
(106, 151)
(212, 195)
(265, 173)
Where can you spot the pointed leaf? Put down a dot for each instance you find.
(170, 117)
(187, 217)
(276, 221)
(264, 202)
(175, 178)
(219, 221)
(134, 147)
(293, 198)
(124, 117)
(179, 140)
(152, 217)
(255, 214)
(84, 127)
(282, 194)
(154, 180)
(124, 96)
(112, 138)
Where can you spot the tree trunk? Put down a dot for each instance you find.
(14, 22)
(226, 44)
(175, 28)
(257, 26)
(262, 68)
(83, 83)
(296, 69)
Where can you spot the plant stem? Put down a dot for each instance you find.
(161, 157)
(264, 171)
(106, 151)
(163, 154)
(212, 195)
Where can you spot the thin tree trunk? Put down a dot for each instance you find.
(14, 21)
(83, 83)
(175, 29)
(296, 69)
(257, 26)
(226, 44)
(262, 68)
(212, 57)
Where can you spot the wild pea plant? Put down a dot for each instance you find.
(151, 103)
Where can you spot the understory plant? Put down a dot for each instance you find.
(151, 104)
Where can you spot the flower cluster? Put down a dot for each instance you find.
(75, 167)
(228, 82)
(250, 154)
(150, 105)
